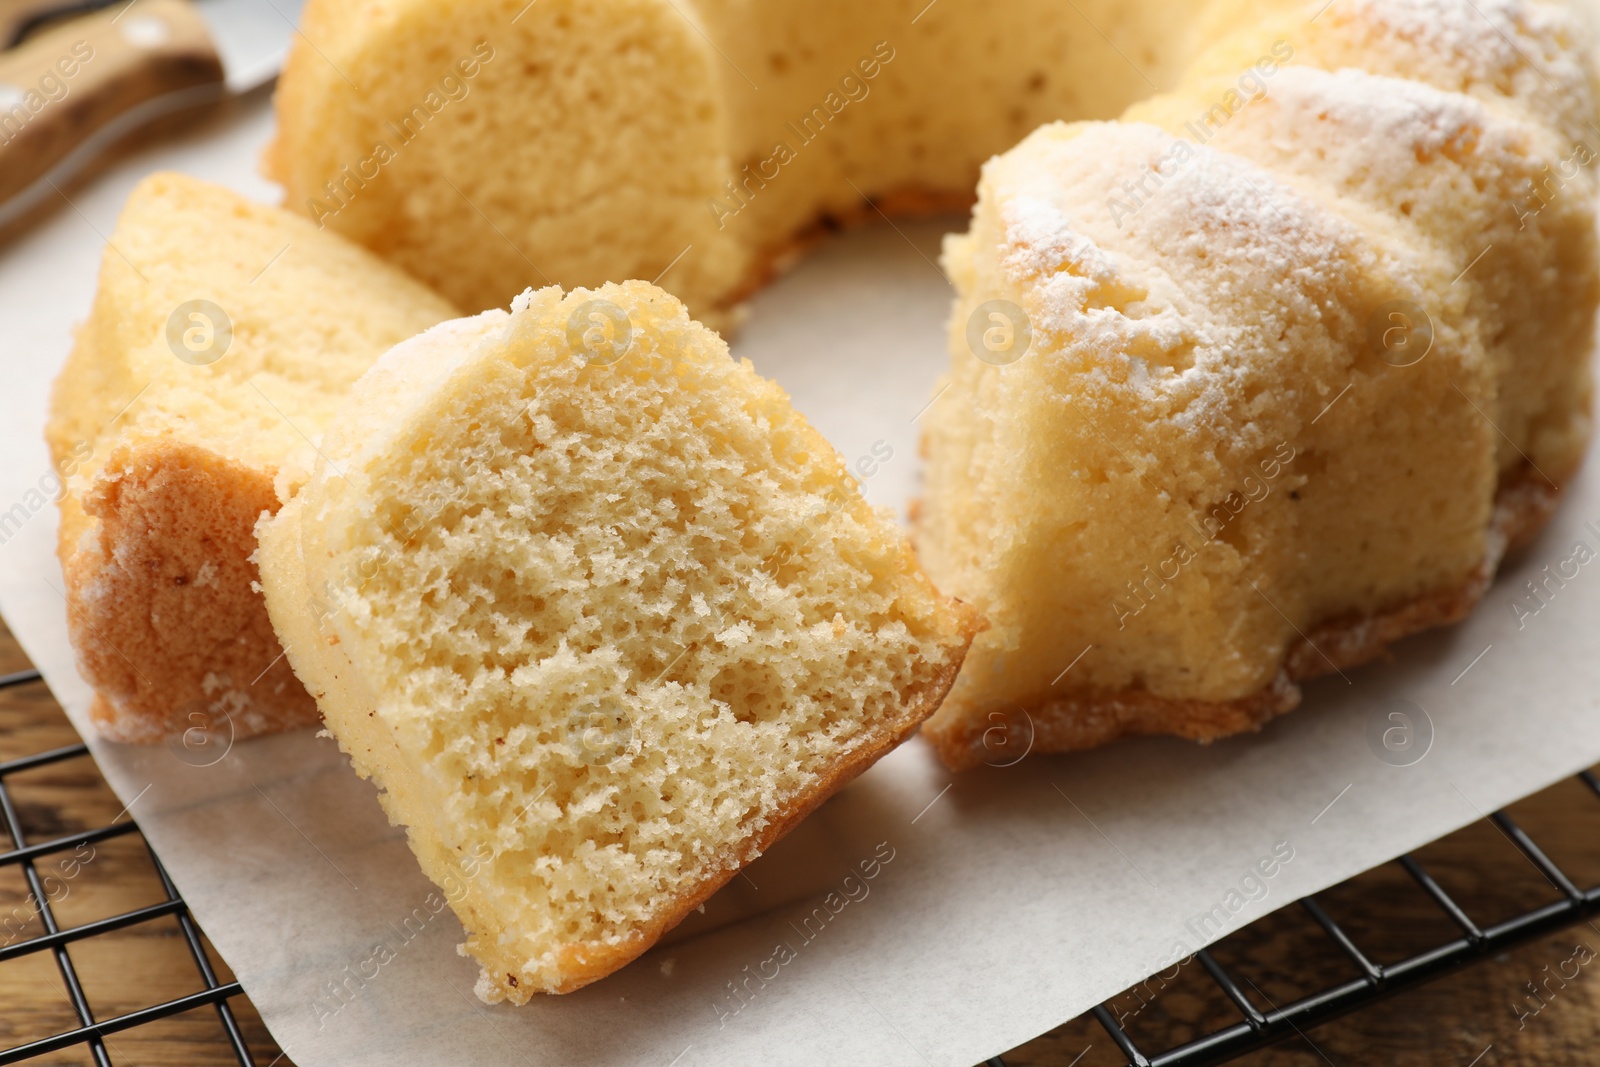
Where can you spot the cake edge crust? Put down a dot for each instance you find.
(1524, 504)
(115, 568)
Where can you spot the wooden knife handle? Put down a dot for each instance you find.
(19, 15)
(71, 80)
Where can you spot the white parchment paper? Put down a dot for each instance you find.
(967, 914)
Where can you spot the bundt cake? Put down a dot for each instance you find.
(1245, 387)
(593, 606)
(222, 335)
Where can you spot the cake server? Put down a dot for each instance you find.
(75, 85)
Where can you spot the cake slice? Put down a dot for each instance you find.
(601, 616)
(223, 334)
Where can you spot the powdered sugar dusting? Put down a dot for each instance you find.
(1522, 50)
(1390, 119)
(1042, 240)
(1481, 31)
(1149, 299)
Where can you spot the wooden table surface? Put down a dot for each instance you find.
(1483, 1017)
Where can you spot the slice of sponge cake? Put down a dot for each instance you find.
(222, 336)
(601, 615)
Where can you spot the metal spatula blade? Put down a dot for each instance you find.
(252, 37)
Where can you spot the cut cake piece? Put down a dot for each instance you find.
(595, 607)
(223, 334)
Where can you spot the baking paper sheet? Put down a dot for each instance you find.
(967, 914)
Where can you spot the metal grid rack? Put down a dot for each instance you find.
(91, 1034)
(1259, 1028)
(1256, 1029)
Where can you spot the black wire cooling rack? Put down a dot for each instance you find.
(92, 1033)
(1257, 1026)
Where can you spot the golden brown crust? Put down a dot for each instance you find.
(1524, 503)
(590, 961)
(162, 606)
